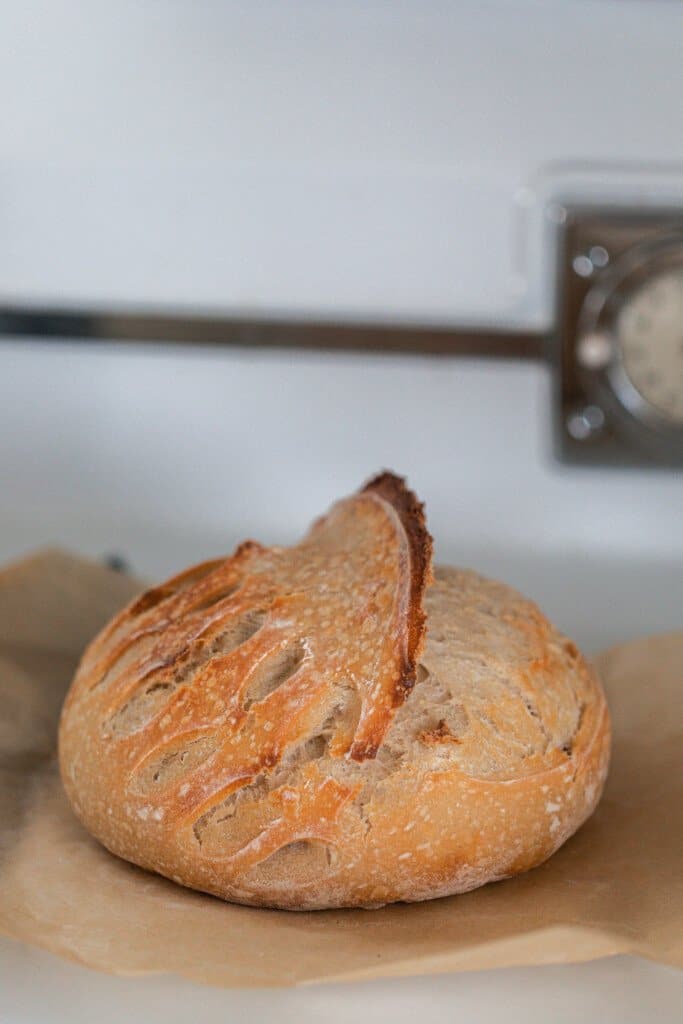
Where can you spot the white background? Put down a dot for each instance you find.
(349, 159)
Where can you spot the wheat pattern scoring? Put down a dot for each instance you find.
(214, 683)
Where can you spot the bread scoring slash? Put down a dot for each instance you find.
(333, 724)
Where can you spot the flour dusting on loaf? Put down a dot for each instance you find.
(333, 724)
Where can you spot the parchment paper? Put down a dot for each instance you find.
(616, 887)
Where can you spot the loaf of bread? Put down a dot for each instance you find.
(333, 724)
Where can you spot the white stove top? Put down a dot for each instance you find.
(167, 456)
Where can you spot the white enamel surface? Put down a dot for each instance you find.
(35, 987)
(167, 456)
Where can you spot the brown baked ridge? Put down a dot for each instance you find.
(329, 725)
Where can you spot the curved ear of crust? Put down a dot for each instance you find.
(390, 531)
(410, 511)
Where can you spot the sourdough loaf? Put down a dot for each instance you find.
(333, 724)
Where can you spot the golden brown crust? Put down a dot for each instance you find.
(253, 727)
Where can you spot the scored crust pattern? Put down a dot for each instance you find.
(211, 682)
